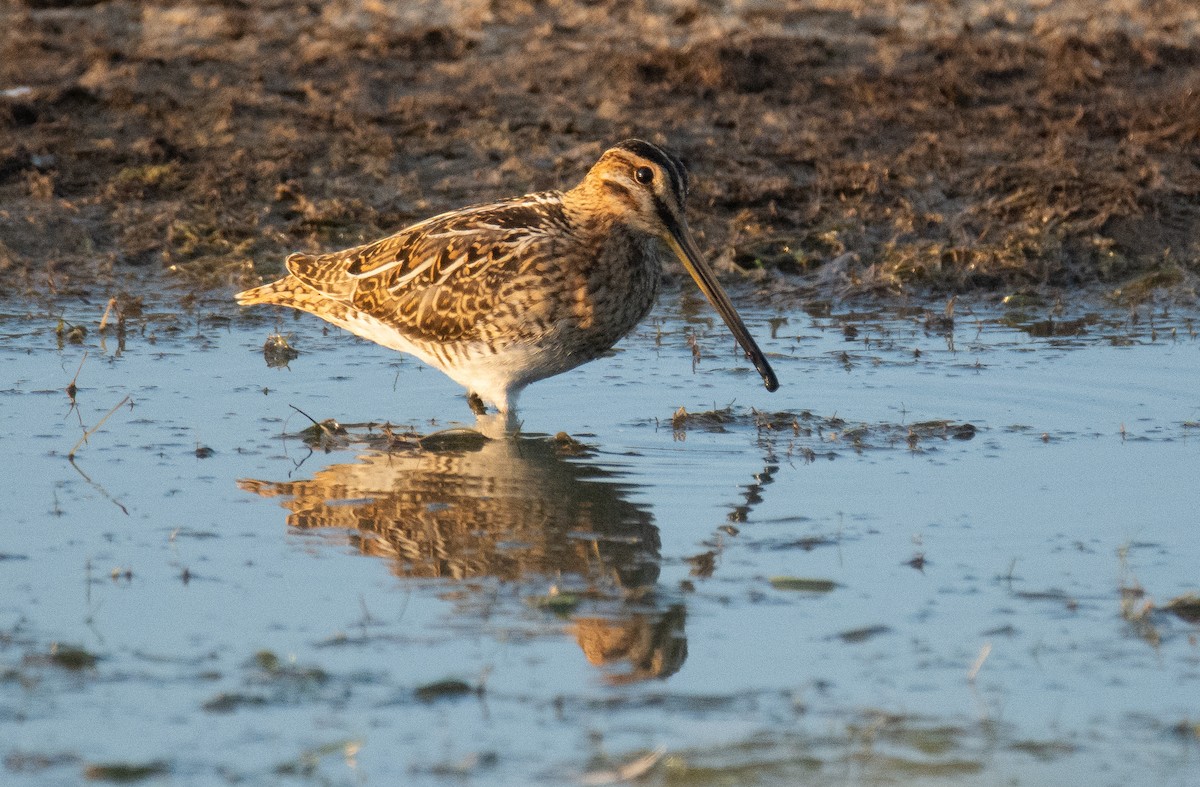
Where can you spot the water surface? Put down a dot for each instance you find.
(840, 582)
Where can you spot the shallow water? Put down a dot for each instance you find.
(837, 583)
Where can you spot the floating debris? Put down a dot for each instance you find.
(454, 440)
(627, 772)
(278, 351)
(274, 669)
(72, 657)
(125, 772)
(565, 445)
(709, 420)
(804, 584)
(854, 636)
(322, 434)
(443, 689)
(70, 334)
(803, 426)
(228, 702)
(556, 601)
(1186, 606)
(309, 760)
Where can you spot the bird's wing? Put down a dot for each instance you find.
(434, 280)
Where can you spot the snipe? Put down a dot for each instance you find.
(501, 295)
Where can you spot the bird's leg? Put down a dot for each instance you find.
(498, 426)
(476, 404)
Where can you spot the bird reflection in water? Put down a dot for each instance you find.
(521, 509)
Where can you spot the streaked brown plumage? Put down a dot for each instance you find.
(501, 295)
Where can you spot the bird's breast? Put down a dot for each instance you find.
(620, 289)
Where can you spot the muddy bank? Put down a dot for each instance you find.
(909, 147)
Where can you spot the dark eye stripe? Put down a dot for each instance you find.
(669, 163)
(621, 193)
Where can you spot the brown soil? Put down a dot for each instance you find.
(932, 145)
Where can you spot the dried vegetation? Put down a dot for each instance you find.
(953, 145)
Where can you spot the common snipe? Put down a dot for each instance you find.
(501, 295)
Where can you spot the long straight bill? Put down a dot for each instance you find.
(685, 248)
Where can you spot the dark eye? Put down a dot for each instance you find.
(644, 175)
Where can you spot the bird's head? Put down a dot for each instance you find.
(642, 185)
(645, 188)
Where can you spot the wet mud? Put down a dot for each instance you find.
(860, 148)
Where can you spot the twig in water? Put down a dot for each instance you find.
(329, 428)
(71, 388)
(99, 488)
(92, 431)
(306, 415)
(112, 302)
(984, 652)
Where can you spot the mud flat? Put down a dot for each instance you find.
(895, 147)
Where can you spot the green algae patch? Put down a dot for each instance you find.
(804, 584)
(125, 772)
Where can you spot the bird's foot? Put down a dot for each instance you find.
(476, 404)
